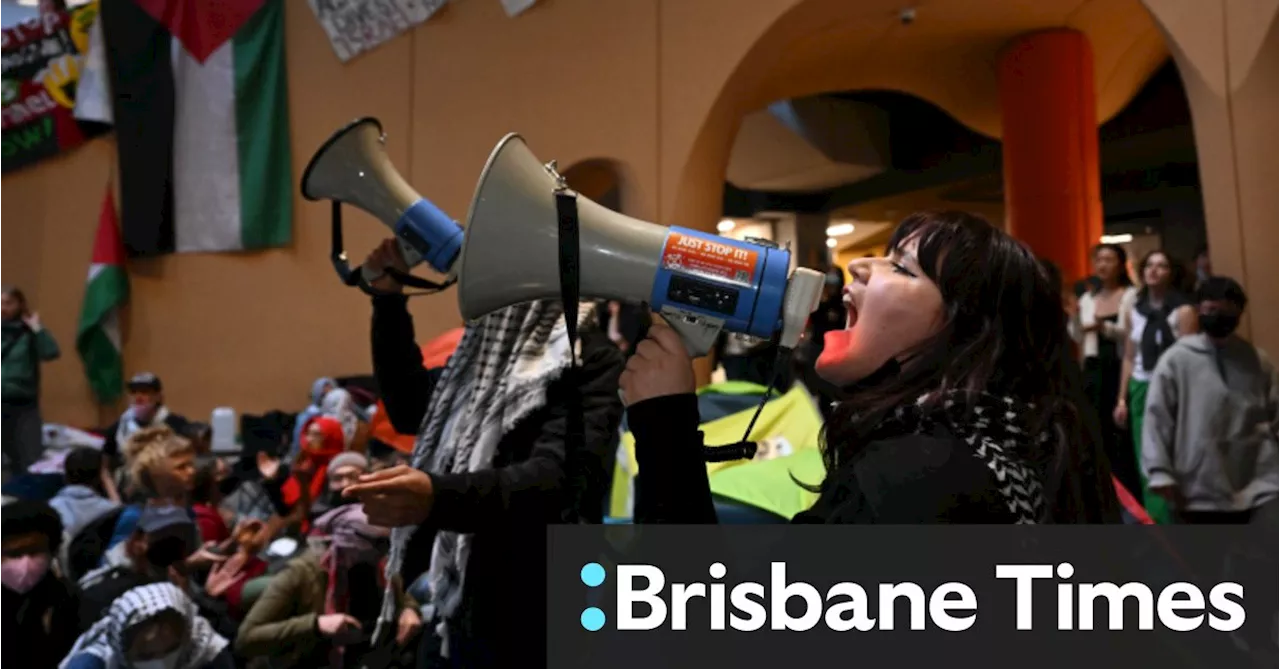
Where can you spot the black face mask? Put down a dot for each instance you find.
(228, 485)
(1218, 324)
(167, 552)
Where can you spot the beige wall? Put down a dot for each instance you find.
(656, 87)
(1226, 53)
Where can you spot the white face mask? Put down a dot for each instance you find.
(169, 661)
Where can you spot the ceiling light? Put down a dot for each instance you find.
(725, 225)
(840, 229)
(831, 243)
(1116, 239)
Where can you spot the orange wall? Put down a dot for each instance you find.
(656, 87)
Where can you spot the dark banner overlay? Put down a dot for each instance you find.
(778, 596)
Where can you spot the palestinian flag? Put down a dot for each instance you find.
(201, 112)
(98, 337)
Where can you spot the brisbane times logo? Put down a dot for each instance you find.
(644, 600)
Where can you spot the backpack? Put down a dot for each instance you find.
(85, 550)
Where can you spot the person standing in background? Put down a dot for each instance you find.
(1153, 319)
(1209, 438)
(1099, 332)
(1204, 266)
(26, 344)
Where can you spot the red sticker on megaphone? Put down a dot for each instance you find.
(723, 262)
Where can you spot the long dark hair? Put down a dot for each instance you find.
(1123, 256)
(1002, 334)
(1177, 274)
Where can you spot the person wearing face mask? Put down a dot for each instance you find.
(1153, 318)
(344, 470)
(319, 388)
(38, 607)
(26, 346)
(153, 626)
(146, 409)
(958, 405)
(320, 610)
(1209, 437)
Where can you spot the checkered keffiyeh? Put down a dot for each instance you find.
(105, 640)
(498, 375)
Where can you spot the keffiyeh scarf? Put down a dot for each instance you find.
(996, 428)
(105, 640)
(498, 375)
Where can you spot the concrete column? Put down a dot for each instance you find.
(1226, 53)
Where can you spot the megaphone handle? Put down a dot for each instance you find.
(699, 333)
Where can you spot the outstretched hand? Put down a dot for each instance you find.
(394, 497)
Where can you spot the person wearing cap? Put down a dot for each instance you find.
(158, 550)
(146, 408)
(344, 470)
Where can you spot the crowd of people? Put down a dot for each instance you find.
(958, 380)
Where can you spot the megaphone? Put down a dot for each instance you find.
(352, 167)
(701, 283)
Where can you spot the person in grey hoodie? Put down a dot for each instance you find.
(1209, 440)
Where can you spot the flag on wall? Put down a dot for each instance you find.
(106, 290)
(200, 106)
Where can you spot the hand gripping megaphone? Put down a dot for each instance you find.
(701, 283)
(352, 167)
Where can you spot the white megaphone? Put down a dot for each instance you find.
(701, 283)
(352, 167)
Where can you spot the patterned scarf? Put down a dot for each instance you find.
(996, 428)
(498, 375)
(105, 640)
(351, 539)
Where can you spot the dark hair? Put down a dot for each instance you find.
(1052, 273)
(1177, 274)
(1123, 256)
(1222, 288)
(1002, 334)
(24, 516)
(204, 485)
(17, 294)
(83, 466)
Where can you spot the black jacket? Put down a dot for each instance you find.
(533, 483)
(902, 478)
(40, 626)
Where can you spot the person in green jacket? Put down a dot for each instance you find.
(26, 344)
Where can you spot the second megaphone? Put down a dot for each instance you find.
(352, 167)
(701, 283)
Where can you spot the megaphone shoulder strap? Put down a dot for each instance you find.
(354, 277)
(570, 292)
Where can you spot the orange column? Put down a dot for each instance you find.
(1052, 191)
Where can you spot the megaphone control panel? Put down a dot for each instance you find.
(706, 283)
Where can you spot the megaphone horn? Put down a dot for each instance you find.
(352, 167)
(701, 283)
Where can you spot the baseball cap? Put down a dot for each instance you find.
(145, 381)
(164, 519)
(170, 532)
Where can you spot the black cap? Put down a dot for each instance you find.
(145, 381)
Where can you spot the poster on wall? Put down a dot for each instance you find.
(356, 26)
(516, 7)
(41, 67)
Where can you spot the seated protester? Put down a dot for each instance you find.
(320, 611)
(86, 496)
(162, 470)
(322, 440)
(151, 626)
(344, 470)
(206, 498)
(163, 547)
(339, 405)
(146, 409)
(226, 580)
(38, 606)
(319, 388)
(491, 469)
